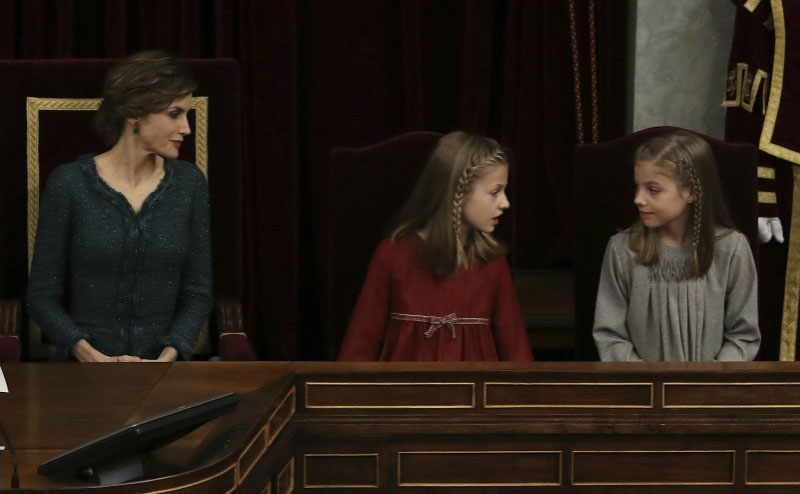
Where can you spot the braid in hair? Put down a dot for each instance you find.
(462, 189)
(697, 216)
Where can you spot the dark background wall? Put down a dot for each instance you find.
(540, 76)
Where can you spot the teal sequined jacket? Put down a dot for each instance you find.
(128, 283)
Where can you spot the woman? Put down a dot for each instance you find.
(121, 267)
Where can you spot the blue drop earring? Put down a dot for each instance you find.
(136, 129)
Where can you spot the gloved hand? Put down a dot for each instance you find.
(769, 228)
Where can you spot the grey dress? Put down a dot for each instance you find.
(649, 314)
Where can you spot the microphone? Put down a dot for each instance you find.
(15, 472)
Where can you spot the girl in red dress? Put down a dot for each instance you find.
(439, 288)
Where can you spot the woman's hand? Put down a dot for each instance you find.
(85, 352)
(168, 354)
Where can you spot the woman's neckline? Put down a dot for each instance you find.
(167, 166)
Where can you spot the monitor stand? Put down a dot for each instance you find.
(114, 472)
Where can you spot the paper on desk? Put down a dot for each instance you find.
(3, 385)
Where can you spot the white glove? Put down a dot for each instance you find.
(769, 228)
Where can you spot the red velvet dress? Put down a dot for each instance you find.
(397, 283)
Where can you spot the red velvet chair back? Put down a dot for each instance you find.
(604, 205)
(62, 130)
(366, 188)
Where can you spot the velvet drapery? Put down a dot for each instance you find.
(318, 74)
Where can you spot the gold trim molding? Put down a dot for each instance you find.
(309, 406)
(746, 470)
(273, 431)
(285, 485)
(566, 405)
(766, 172)
(791, 289)
(776, 90)
(767, 197)
(751, 4)
(760, 77)
(479, 484)
(267, 434)
(731, 452)
(262, 434)
(32, 108)
(741, 69)
(665, 384)
(201, 481)
(200, 107)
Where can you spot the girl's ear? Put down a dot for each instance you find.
(688, 195)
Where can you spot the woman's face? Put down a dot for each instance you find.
(162, 133)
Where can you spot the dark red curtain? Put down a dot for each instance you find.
(318, 74)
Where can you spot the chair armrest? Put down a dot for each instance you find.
(233, 343)
(235, 346)
(10, 345)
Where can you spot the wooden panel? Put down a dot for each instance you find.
(252, 453)
(390, 395)
(568, 395)
(478, 468)
(340, 470)
(280, 417)
(195, 381)
(37, 391)
(225, 482)
(630, 447)
(284, 484)
(731, 395)
(772, 467)
(652, 467)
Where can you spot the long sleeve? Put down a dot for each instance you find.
(508, 325)
(47, 281)
(195, 298)
(365, 333)
(610, 329)
(742, 336)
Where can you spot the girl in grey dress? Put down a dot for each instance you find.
(680, 284)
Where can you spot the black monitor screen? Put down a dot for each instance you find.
(133, 440)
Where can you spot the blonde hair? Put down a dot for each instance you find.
(688, 159)
(437, 201)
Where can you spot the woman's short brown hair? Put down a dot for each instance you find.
(145, 82)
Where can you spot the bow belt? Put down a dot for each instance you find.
(436, 322)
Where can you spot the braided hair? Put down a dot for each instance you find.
(436, 205)
(689, 160)
(477, 168)
(686, 168)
